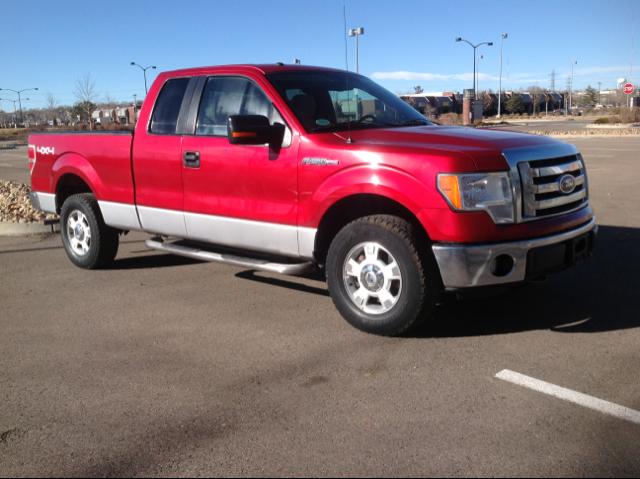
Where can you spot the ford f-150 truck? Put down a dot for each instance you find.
(279, 167)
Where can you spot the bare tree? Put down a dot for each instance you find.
(109, 101)
(86, 94)
(52, 105)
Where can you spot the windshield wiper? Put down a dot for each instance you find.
(414, 122)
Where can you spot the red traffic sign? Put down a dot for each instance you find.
(628, 89)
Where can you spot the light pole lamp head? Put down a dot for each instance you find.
(154, 67)
(458, 39)
(132, 63)
(505, 36)
(490, 44)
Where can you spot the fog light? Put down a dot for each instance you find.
(502, 265)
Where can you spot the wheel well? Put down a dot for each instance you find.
(68, 185)
(353, 207)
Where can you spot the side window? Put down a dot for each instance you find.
(226, 96)
(167, 107)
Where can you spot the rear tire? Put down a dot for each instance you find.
(380, 278)
(88, 241)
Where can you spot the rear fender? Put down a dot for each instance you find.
(74, 164)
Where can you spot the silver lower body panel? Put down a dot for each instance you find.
(43, 201)
(469, 266)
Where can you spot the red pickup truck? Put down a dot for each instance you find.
(279, 167)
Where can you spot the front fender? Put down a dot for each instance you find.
(385, 181)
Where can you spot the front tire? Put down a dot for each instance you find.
(88, 241)
(380, 278)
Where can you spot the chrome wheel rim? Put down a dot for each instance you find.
(78, 233)
(372, 278)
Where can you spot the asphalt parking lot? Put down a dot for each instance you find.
(165, 366)
(12, 165)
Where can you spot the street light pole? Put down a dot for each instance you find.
(15, 110)
(475, 47)
(356, 32)
(575, 62)
(478, 72)
(144, 71)
(19, 99)
(502, 39)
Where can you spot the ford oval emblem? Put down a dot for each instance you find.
(567, 184)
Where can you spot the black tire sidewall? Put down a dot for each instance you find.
(82, 203)
(410, 304)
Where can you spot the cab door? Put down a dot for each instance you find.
(157, 161)
(239, 195)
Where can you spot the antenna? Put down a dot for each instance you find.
(346, 62)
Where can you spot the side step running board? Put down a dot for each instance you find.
(253, 263)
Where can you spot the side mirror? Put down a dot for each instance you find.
(254, 130)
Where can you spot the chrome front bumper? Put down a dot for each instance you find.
(469, 266)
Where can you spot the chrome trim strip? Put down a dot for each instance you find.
(43, 201)
(119, 215)
(463, 266)
(245, 262)
(556, 170)
(555, 186)
(560, 200)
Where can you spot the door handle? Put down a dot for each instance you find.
(191, 159)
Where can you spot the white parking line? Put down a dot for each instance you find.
(575, 397)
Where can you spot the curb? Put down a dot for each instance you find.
(26, 229)
(623, 126)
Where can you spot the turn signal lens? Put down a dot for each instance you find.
(244, 134)
(450, 188)
(490, 192)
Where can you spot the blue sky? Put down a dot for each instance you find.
(50, 44)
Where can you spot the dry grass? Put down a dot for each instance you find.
(449, 119)
(589, 133)
(15, 206)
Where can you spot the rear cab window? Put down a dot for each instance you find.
(166, 111)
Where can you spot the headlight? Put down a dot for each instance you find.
(490, 192)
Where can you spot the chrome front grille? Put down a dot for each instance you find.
(552, 186)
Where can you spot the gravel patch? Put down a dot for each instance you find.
(15, 206)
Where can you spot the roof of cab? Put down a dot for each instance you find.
(263, 69)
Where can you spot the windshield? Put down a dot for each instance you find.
(335, 101)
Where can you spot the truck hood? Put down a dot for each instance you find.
(483, 146)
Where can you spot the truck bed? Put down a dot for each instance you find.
(102, 159)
